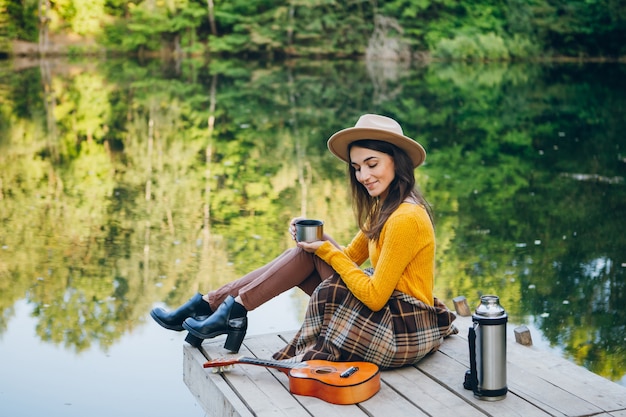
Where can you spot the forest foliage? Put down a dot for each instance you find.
(394, 29)
(123, 184)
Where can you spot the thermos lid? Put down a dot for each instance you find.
(490, 307)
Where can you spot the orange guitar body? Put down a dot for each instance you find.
(334, 382)
(322, 379)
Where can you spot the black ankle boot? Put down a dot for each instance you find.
(229, 318)
(195, 307)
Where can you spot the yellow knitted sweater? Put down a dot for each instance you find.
(403, 259)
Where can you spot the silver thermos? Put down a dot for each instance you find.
(487, 346)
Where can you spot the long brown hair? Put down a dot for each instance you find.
(371, 214)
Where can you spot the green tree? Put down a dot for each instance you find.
(17, 21)
(154, 26)
(125, 183)
(580, 28)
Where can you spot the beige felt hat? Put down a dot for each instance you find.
(374, 126)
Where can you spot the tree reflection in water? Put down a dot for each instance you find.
(125, 184)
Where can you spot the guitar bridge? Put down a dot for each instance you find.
(349, 371)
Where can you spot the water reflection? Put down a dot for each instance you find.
(125, 184)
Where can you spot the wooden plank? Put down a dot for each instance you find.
(448, 372)
(212, 392)
(572, 379)
(257, 386)
(528, 385)
(427, 394)
(540, 384)
(551, 396)
(386, 402)
(264, 347)
(548, 381)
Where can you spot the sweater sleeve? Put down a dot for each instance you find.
(397, 247)
(349, 259)
(357, 250)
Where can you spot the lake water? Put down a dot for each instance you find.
(127, 185)
(140, 375)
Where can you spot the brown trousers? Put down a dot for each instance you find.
(293, 268)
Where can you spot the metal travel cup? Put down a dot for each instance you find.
(487, 349)
(309, 230)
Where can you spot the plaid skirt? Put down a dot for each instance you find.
(338, 327)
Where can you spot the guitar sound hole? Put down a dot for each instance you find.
(324, 370)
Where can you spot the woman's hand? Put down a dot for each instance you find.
(311, 246)
(292, 226)
(307, 246)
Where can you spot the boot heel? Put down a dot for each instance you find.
(234, 340)
(193, 340)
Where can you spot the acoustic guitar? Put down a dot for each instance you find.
(333, 382)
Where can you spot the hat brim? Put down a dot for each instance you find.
(338, 143)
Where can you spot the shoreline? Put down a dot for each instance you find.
(61, 47)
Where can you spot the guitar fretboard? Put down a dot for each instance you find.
(270, 363)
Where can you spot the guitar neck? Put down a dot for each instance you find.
(253, 361)
(268, 363)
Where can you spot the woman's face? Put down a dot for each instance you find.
(374, 169)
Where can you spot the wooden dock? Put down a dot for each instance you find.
(539, 382)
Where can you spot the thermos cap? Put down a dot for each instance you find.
(490, 307)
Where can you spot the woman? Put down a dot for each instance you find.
(388, 314)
